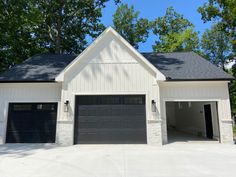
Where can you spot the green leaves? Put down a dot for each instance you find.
(127, 22)
(219, 43)
(224, 13)
(215, 44)
(28, 27)
(16, 32)
(232, 89)
(65, 24)
(175, 33)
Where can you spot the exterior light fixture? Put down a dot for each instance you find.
(154, 109)
(66, 106)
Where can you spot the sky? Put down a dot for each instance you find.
(151, 9)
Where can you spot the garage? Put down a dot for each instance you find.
(110, 119)
(192, 121)
(31, 123)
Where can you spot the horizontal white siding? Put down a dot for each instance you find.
(195, 90)
(25, 92)
(29, 91)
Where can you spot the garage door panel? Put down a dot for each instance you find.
(108, 110)
(112, 136)
(31, 123)
(110, 119)
(111, 122)
(30, 137)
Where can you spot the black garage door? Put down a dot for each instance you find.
(110, 119)
(31, 123)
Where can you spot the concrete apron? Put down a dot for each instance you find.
(175, 159)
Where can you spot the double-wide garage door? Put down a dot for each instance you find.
(110, 119)
(31, 123)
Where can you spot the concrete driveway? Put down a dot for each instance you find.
(173, 160)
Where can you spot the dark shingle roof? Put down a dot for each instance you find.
(39, 68)
(175, 66)
(186, 66)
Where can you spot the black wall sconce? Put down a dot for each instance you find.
(66, 106)
(154, 109)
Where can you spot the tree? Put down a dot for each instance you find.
(175, 33)
(65, 24)
(216, 46)
(16, 29)
(127, 22)
(224, 12)
(56, 26)
(233, 91)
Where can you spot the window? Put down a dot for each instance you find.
(33, 107)
(45, 107)
(110, 100)
(134, 99)
(88, 100)
(22, 107)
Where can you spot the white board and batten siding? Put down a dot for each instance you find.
(199, 91)
(108, 69)
(25, 92)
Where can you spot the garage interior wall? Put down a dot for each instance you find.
(189, 117)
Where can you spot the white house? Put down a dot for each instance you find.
(111, 93)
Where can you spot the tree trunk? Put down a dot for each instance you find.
(58, 47)
(58, 38)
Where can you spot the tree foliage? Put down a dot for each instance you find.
(17, 23)
(224, 12)
(65, 24)
(216, 46)
(56, 26)
(174, 32)
(127, 22)
(233, 91)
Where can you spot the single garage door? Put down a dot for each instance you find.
(31, 123)
(110, 119)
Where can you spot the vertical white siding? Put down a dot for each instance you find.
(109, 69)
(25, 92)
(111, 79)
